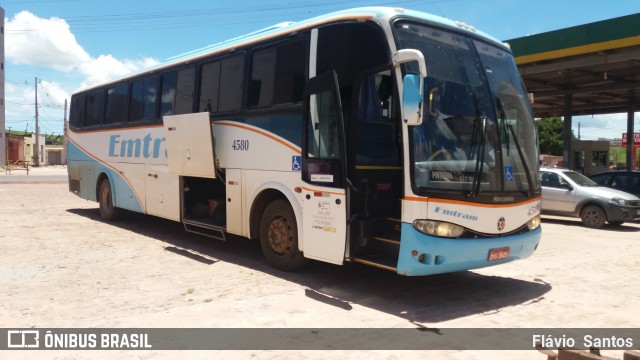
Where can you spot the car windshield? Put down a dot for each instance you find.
(579, 179)
(477, 133)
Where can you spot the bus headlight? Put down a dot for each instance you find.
(438, 228)
(534, 222)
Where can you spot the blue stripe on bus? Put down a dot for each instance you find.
(89, 169)
(443, 255)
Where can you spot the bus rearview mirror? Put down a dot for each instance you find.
(412, 84)
(412, 99)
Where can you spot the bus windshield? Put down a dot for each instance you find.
(477, 134)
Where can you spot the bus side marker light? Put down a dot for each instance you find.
(422, 258)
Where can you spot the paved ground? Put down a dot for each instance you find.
(61, 266)
(42, 174)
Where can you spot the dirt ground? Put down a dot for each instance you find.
(61, 266)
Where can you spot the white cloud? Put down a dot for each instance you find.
(106, 67)
(21, 98)
(49, 49)
(49, 43)
(51, 93)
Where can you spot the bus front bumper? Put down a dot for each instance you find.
(421, 254)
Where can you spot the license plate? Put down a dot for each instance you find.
(498, 254)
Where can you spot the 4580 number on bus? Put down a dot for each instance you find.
(240, 145)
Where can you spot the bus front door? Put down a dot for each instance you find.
(324, 191)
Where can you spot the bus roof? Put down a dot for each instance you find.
(274, 31)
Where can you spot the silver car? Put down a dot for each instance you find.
(568, 193)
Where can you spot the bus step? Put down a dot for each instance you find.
(385, 245)
(205, 229)
(393, 240)
(376, 261)
(388, 226)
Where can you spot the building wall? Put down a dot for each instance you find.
(53, 155)
(590, 157)
(3, 134)
(15, 147)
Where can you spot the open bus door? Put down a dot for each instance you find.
(191, 156)
(323, 172)
(189, 143)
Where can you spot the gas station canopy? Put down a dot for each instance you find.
(598, 64)
(583, 70)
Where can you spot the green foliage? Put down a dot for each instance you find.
(550, 135)
(617, 154)
(55, 139)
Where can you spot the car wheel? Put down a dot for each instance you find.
(593, 216)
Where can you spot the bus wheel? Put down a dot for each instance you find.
(593, 216)
(279, 237)
(107, 210)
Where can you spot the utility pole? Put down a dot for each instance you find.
(579, 130)
(4, 136)
(36, 150)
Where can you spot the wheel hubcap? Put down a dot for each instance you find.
(280, 237)
(592, 216)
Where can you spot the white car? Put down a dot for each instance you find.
(568, 193)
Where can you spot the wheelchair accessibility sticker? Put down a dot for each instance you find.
(296, 163)
(508, 173)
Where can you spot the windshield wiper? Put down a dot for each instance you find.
(522, 159)
(503, 123)
(479, 137)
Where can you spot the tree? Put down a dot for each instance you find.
(54, 139)
(550, 135)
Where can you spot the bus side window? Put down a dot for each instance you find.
(277, 74)
(228, 74)
(231, 80)
(94, 109)
(76, 113)
(209, 87)
(142, 99)
(177, 92)
(116, 104)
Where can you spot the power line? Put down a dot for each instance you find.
(16, 103)
(26, 83)
(266, 12)
(46, 91)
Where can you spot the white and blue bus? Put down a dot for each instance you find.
(381, 136)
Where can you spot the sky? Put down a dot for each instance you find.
(71, 44)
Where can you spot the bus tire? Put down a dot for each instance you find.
(279, 237)
(108, 211)
(593, 216)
